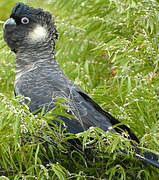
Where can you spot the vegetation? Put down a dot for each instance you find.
(110, 49)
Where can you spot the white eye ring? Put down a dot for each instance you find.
(25, 20)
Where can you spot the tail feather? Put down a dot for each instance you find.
(150, 158)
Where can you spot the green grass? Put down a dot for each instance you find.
(110, 49)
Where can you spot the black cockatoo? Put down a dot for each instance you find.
(31, 34)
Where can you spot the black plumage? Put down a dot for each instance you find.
(31, 34)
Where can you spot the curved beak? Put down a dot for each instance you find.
(10, 22)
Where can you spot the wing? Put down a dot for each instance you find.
(108, 117)
(42, 86)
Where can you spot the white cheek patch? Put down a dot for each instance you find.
(39, 33)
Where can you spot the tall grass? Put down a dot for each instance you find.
(110, 49)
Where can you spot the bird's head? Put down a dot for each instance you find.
(29, 28)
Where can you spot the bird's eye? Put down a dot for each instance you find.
(25, 20)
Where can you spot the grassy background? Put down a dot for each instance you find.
(110, 49)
